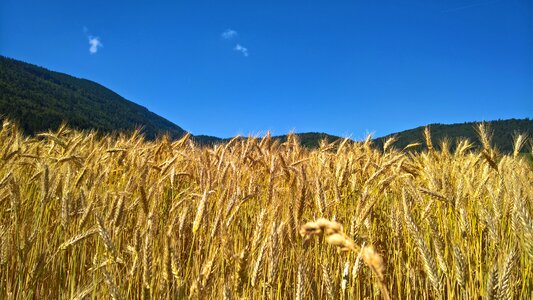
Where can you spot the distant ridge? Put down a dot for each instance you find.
(503, 132)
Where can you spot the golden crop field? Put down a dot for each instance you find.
(88, 217)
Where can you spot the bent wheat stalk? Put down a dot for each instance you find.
(335, 236)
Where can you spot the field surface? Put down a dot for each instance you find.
(87, 217)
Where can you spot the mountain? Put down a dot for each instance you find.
(311, 139)
(39, 100)
(307, 139)
(503, 132)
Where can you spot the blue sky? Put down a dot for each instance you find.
(243, 67)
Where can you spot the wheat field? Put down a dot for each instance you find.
(84, 216)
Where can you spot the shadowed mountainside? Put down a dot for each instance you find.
(40, 100)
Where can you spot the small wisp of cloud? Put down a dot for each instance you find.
(94, 41)
(95, 44)
(229, 34)
(241, 49)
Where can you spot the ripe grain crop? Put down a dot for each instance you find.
(85, 216)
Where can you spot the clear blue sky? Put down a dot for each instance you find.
(341, 67)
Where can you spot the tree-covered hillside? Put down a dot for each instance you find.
(39, 100)
(503, 133)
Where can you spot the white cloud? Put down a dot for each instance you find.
(94, 41)
(229, 34)
(95, 44)
(241, 49)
